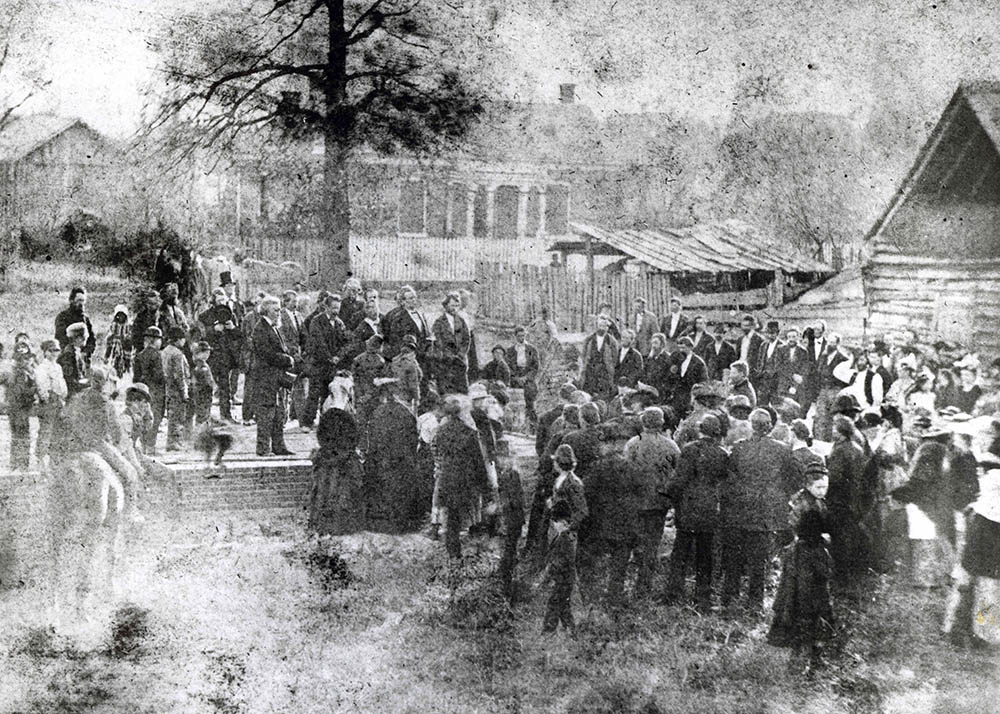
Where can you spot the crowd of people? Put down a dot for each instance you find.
(783, 445)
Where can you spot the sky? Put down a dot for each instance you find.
(686, 57)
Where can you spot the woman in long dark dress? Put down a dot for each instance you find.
(336, 503)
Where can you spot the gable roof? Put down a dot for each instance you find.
(24, 134)
(981, 100)
(727, 247)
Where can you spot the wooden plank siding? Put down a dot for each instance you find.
(956, 301)
(516, 296)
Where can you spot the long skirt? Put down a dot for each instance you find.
(337, 499)
(803, 610)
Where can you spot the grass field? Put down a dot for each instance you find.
(238, 616)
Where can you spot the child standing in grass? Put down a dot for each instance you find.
(203, 383)
(803, 610)
(561, 568)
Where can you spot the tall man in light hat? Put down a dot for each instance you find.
(73, 359)
(177, 374)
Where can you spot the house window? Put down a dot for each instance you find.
(459, 210)
(557, 210)
(437, 208)
(505, 199)
(413, 208)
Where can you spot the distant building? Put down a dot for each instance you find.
(934, 263)
(52, 168)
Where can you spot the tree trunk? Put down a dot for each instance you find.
(335, 212)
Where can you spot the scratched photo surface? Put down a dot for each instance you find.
(499, 356)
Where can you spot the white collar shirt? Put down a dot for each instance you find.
(686, 363)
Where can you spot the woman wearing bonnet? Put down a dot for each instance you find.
(336, 503)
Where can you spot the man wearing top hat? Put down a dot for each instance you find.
(770, 365)
(147, 368)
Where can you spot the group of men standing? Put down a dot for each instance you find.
(672, 354)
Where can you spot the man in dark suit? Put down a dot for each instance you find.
(600, 355)
(352, 308)
(829, 387)
(628, 367)
(645, 325)
(74, 313)
(794, 368)
(522, 358)
(700, 337)
(770, 366)
(404, 320)
(292, 332)
(816, 346)
(686, 370)
(325, 354)
(271, 360)
(675, 323)
(719, 355)
(236, 338)
(605, 309)
(452, 340)
(368, 326)
(748, 346)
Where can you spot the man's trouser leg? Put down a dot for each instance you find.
(704, 548)
(758, 561)
(621, 554)
(223, 390)
(177, 412)
(20, 439)
(733, 560)
(278, 423)
(266, 415)
(651, 533)
(530, 394)
(559, 608)
(47, 415)
(158, 405)
(318, 385)
(453, 533)
(680, 556)
(249, 398)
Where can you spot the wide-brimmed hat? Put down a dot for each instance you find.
(478, 391)
(409, 341)
(201, 346)
(138, 388)
(153, 331)
(710, 425)
(77, 328)
(707, 389)
(846, 404)
(739, 401)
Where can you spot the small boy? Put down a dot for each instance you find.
(203, 383)
(568, 487)
(560, 569)
(52, 393)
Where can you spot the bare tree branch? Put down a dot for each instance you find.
(280, 70)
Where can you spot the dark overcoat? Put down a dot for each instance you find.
(460, 464)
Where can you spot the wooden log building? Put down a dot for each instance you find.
(934, 266)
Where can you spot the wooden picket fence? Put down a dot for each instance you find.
(515, 295)
(405, 259)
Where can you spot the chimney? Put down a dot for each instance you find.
(567, 93)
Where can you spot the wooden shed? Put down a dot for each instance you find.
(934, 265)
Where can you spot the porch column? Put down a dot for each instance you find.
(470, 211)
(522, 211)
(491, 211)
(449, 206)
(541, 211)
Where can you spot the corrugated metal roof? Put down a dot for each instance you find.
(727, 247)
(22, 135)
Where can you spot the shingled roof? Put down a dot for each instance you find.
(726, 247)
(24, 134)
